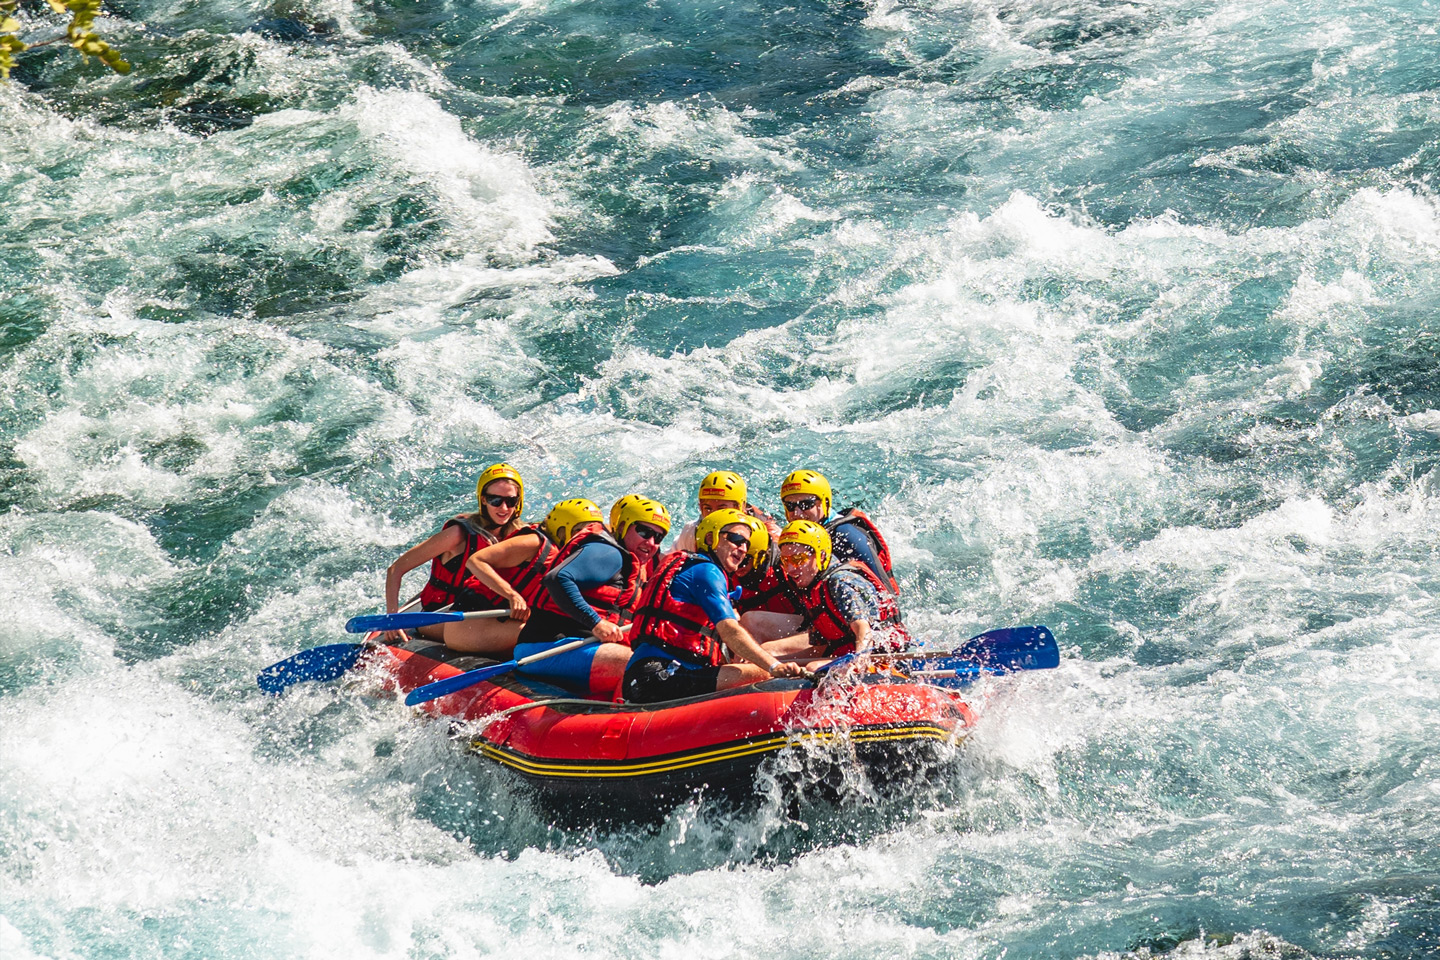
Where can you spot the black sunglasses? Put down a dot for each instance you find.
(738, 539)
(792, 505)
(495, 500)
(648, 533)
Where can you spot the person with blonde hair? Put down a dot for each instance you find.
(500, 496)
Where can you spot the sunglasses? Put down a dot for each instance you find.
(803, 504)
(739, 539)
(495, 500)
(796, 559)
(648, 533)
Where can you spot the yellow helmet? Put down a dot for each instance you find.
(500, 471)
(633, 508)
(707, 531)
(723, 485)
(759, 554)
(808, 481)
(810, 534)
(565, 516)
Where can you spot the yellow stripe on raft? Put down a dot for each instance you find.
(577, 768)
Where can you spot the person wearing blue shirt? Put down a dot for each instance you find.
(591, 589)
(685, 621)
(806, 495)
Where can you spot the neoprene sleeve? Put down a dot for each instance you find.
(592, 565)
(850, 543)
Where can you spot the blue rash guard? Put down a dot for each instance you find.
(592, 564)
(849, 542)
(704, 585)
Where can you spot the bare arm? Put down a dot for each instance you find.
(738, 639)
(507, 553)
(447, 540)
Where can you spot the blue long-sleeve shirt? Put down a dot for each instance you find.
(849, 542)
(590, 566)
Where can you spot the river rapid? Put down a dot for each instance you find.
(1121, 317)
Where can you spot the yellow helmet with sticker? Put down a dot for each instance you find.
(723, 485)
(633, 508)
(809, 534)
(560, 523)
(500, 471)
(707, 531)
(808, 482)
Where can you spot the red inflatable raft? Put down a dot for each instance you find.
(580, 754)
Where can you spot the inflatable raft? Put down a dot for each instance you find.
(588, 756)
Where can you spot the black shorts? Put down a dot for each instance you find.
(654, 679)
(545, 626)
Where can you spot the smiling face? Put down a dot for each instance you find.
(499, 501)
(728, 552)
(799, 564)
(803, 506)
(708, 506)
(643, 540)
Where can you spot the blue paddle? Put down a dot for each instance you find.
(318, 663)
(995, 652)
(433, 691)
(380, 622)
(328, 662)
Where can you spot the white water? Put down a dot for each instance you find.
(1117, 318)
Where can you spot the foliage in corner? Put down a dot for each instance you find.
(80, 33)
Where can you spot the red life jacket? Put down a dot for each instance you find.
(675, 626)
(525, 578)
(877, 542)
(614, 600)
(451, 581)
(828, 627)
(767, 589)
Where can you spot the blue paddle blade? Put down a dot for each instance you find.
(318, 663)
(433, 691)
(1012, 648)
(379, 622)
(995, 653)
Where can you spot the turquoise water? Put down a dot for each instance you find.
(1119, 317)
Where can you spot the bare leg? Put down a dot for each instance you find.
(764, 625)
(489, 638)
(608, 667)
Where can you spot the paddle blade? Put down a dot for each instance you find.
(995, 653)
(1012, 648)
(380, 622)
(318, 663)
(433, 691)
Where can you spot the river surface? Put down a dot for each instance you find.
(1121, 317)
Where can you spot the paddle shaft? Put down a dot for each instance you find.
(410, 604)
(381, 622)
(329, 662)
(461, 681)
